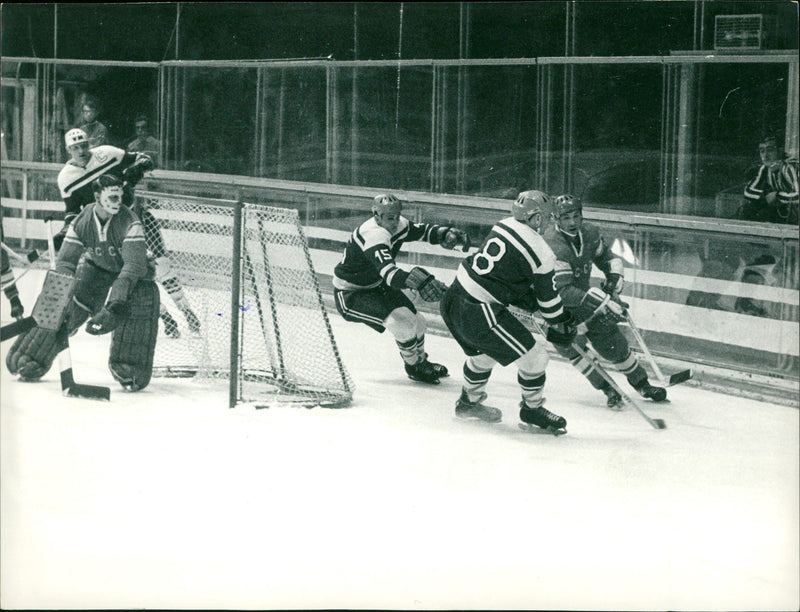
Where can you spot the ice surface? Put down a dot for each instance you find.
(166, 498)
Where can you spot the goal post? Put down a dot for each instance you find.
(246, 272)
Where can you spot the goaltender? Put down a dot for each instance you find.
(113, 285)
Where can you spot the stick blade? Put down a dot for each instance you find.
(680, 377)
(92, 392)
(659, 424)
(16, 328)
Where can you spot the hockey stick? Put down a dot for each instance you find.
(656, 423)
(69, 387)
(16, 328)
(674, 379)
(28, 258)
(592, 360)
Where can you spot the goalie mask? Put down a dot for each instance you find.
(386, 209)
(534, 208)
(108, 193)
(569, 214)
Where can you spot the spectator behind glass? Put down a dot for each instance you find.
(144, 142)
(95, 131)
(771, 195)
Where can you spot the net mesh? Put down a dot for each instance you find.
(286, 349)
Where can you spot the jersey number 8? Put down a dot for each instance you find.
(489, 255)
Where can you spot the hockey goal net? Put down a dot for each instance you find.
(247, 274)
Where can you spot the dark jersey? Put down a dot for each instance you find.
(369, 255)
(116, 245)
(75, 182)
(574, 259)
(514, 266)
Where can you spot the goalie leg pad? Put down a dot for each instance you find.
(33, 353)
(133, 342)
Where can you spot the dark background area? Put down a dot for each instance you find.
(367, 31)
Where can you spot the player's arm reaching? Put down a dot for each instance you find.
(378, 251)
(446, 236)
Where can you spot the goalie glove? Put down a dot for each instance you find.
(108, 319)
(451, 237)
(562, 333)
(599, 303)
(613, 284)
(425, 283)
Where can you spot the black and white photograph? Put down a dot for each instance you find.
(400, 306)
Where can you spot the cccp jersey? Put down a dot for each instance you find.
(574, 259)
(369, 255)
(514, 266)
(75, 182)
(117, 246)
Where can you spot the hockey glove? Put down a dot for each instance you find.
(425, 283)
(599, 303)
(108, 319)
(613, 284)
(134, 173)
(452, 237)
(562, 334)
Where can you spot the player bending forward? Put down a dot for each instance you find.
(514, 266)
(112, 238)
(75, 183)
(368, 284)
(577, 245)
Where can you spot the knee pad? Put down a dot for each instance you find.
(609, 342)
(403, 324)
(534, 362)
(33, 353)
(133, 342)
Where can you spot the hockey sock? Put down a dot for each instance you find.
(475, 381)
(409, 351)
(175, 291)
(532, 389)
(585, 367)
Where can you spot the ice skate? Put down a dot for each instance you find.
(17, 310)
(422, 372)
(170, 325)
(613, 398)
(440, 370)
(466, 409)
(648, 391)
(542, 419)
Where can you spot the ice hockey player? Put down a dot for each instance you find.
(9, 283)
(75, 183)
(368, 284)
(513, 267)
(577, 245)
(113, 286)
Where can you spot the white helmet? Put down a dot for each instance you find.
(75, 136)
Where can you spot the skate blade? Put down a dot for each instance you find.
(538, 430)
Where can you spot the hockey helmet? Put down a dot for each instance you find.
(567, 203)
(386, 203)
(386, 209)
(75, 136)
(530, 203)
